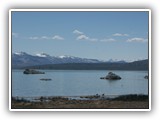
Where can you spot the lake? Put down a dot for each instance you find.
(77, 83)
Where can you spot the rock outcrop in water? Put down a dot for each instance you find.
(111, 76)
(146, 77)
(46, 79)
(32, 71)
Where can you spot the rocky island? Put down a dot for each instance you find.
(146, 77)
(111, 76)
(32, 71)
(46, 79)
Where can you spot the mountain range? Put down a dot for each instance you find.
(136, 65)
(23, 59)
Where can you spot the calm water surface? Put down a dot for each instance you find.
(78, 82)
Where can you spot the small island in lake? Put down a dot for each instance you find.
(45, 79)
(111, 76)
(146, 77)
(32, 71)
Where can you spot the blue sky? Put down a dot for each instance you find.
(99, 35)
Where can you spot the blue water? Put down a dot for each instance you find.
(78, 82)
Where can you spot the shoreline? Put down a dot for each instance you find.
(132, 101)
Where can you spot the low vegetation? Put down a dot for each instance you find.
(121, 102)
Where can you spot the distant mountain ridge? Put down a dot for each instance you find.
(136, 65)
(23, 59)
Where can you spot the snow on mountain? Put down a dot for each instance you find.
(116, 61)
(63, 56)
(66, 56)
(24, 59)
(20, 53)
(42, 55)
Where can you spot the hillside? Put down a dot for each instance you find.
(136, 65)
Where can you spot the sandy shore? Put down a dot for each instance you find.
(125, 102)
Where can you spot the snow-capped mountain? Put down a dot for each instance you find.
(42, 55)
(22, 59)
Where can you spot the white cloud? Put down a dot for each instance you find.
(34, 38)
(57, 37)
(77, 32)
(137, 40)
(14, 34)
(108, 40)
(45, 37)
(119, 34)
(93, 39)
(82, 37)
